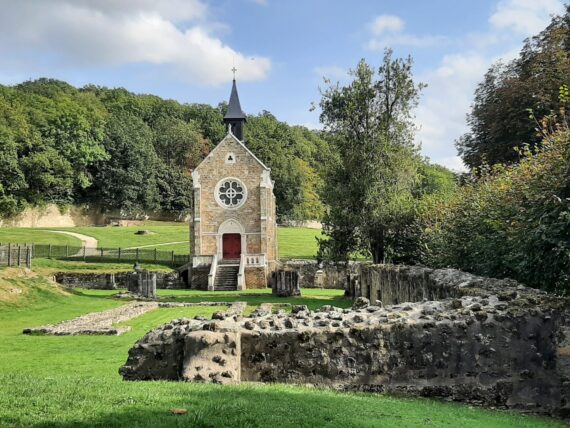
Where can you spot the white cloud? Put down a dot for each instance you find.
(454, 163)
(388, 31)
(78, 33)
(333, 72)
(524, 17)
(386, 23)
(316, 126)
(405, 39)
(446, 101)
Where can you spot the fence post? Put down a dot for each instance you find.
(9, 254)
(84, 253)
(19, 254)
(101, 252)
(67, 251)
(155, 254)
(172, 258)
(137, 255)
(119, 253)
(29, 257)
(49, 252)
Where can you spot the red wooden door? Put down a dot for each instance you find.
(231, 246)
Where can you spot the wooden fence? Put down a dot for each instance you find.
(16, 255)
(105, 255)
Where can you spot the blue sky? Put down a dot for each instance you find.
(184, 49)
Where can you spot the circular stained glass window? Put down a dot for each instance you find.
(230, 193)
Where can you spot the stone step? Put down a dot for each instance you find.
(226, 277)
(224, 288)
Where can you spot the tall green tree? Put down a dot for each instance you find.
(127, 180)
(499, 121)
(369, 185)
(274, 143)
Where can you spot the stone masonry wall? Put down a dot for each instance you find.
(107, 281)
(199, 277)
(255, 277)
(334, 275)
(483, 341)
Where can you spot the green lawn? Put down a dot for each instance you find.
(297, 242)
(294, 242)
(59, 381)
(13, 235)
(313, 298)
(49, 266)
(125, 236)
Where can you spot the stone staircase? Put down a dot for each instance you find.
(226, 276)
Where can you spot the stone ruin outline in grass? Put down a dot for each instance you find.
(480, 340)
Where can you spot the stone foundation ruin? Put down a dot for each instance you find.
(444, 334)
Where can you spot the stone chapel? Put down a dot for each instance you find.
(233, 225)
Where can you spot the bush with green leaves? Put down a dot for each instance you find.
(514, 221)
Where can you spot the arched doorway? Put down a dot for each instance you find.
(231, 240)
(231, 246)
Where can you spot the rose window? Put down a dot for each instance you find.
(230, 193)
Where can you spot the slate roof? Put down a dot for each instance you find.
(234, 107)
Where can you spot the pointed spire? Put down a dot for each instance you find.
(235, 117)
(234, 107)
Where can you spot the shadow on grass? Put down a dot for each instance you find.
(148, 404)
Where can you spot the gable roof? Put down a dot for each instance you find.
(232, 136)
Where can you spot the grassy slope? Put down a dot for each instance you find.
(50, 266)
(15, 235)
(297, 242)
(294, 242)
(73, 381)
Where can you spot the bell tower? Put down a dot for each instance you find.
(235, 117)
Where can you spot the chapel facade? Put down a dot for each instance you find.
(233, 226)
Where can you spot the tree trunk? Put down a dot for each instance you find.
(378, 250)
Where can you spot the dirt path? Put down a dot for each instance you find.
(88, 241)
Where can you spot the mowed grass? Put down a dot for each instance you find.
(58, 381)
(313, 298)
(297, 242)
(125, 237)
(294, 242)
(50, 266)
(13, 235)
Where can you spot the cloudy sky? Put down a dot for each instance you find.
(184, 49)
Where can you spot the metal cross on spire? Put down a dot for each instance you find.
(234, 69)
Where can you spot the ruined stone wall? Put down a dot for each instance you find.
(108, 281)
(393, 284)
(484, 341)
(334, 275)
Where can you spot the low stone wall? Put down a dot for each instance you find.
(486, 341)
(332, 275)
(97, 323)
(199, 277)
(111, 281)
(255, 277)
(394, 284)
